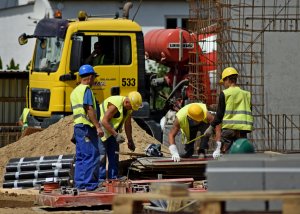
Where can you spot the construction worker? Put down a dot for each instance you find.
(114, 112)
(86, 131)
(190, 119)
(97, 57)
(23, 119)
(234, 112)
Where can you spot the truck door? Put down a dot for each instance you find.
(111, 56)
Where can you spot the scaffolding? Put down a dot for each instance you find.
(239, 26)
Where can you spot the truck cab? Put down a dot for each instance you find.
(62, 46)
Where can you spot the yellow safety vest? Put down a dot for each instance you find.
(98, 60)
(24, 115)
(79, 114)
(117, 101)
(24, 118)
(238, 115)
(184, 122)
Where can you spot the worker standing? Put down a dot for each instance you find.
(23, 119)
(114, 112)
(190, 119)
(234, 112)
(86, 131)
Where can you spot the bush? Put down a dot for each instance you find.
(12, 65)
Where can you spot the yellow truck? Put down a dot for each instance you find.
(62, 46)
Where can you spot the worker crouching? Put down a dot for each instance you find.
(114, 112)
(190, 119)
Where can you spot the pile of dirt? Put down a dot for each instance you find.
(56, 140)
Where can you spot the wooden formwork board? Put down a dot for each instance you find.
(149, 167)
(210, 202)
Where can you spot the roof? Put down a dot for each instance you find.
(8, 74)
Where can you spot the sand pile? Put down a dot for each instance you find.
(55, 140)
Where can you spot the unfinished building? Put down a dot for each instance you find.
(244, 32)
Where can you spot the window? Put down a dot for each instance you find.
(107, 50)
(171, 23)
(174, 22)
(48, 53)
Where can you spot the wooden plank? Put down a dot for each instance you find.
(174, 205)
(167, 161)
(291, 206)
(127, 205)
(211, 207)
(214, 202)
(179, 180)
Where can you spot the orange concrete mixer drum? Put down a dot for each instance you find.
(164, 44)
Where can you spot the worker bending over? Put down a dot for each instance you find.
(190, 119)
(86, 131)
(234, 112)
(114, 112)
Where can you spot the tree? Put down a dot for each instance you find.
(28, 65)
(12, 65)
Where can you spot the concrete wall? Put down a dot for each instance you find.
(14, 22)
(282, 73)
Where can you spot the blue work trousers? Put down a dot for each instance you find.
(87, 158)
(108, 149)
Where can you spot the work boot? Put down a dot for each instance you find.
(202, 153)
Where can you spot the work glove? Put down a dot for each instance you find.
(217, 152)
(119, 138)
(131, 145)
(209, 131)
(174, 153)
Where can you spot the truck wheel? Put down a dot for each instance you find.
(151, 127)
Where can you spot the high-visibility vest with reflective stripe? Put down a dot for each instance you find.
(24, 118)
(182, 116)
(117, 101)
(24, 115)
(238, 115)
(98, 60)
(79, 114)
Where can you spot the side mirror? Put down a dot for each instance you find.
(23, 39)
(75, 60)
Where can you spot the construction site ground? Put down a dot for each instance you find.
(54, 140)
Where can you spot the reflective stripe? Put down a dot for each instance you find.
(77, 106)
(237, 122)
(81, 115)
(238, 112)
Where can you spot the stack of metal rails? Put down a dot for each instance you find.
(35, 171)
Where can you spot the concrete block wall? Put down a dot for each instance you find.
(258, 172)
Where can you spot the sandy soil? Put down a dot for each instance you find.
(54, 140)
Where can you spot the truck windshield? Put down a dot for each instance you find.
(47, 54)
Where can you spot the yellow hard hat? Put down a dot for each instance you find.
(227, 72)
(196, 112)
(136, 100)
